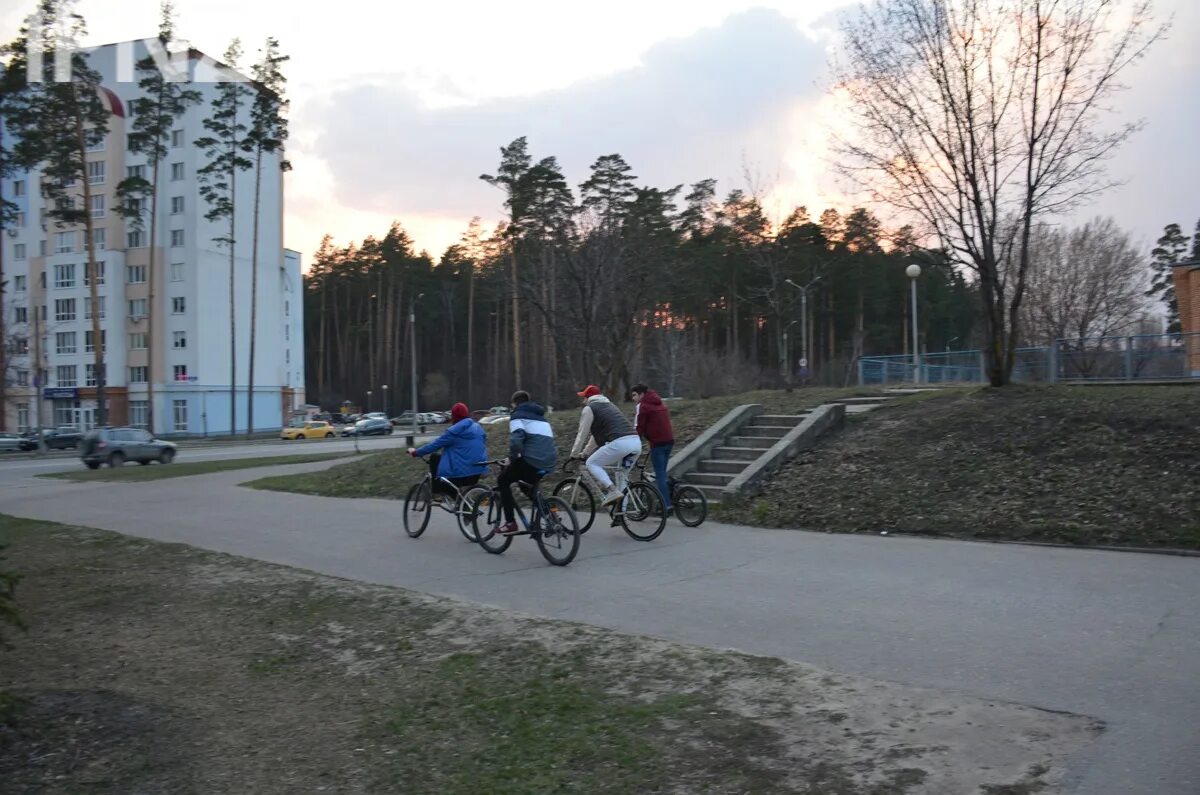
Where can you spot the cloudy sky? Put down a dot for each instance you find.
(397, 108)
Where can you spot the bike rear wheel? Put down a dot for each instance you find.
(468, 509)
(417, 506)
(558, 538)
(579, 496)
(690, 504)
(641, 512)
(486, 520)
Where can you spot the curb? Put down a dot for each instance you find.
(1174, 551)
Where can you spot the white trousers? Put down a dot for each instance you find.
(611, 455)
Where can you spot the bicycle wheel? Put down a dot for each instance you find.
(417, 506)
(691, 506)
(642, 514)
(579, 496)
(559, 537)
(485, 519)
(468, 509)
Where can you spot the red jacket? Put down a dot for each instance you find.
(654, 420)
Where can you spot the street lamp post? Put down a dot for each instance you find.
(368, 401)
(913, 271)
(787, 355)
(385, 402)
(803, 317)
(412, 335)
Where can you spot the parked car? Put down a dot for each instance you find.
(13, 442)
(497, 410)
(309, 430)
(374, 427)
(63, 437)
(375, 415)
(492, 419)
(115, 446)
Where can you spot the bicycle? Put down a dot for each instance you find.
(688, 501)
(418, 506)
(639, 512)
(551, 522)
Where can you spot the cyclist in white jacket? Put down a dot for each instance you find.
(612, 438)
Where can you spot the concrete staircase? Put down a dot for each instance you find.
(744, 446)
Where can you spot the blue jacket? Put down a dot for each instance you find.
(463, 446)
(531, 438)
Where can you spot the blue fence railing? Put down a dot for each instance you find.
(1129, 358)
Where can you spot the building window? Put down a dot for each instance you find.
(64, 343)
(22, 378)
(287, 356)
(178, 305)
(139, 413)
(176, 271)
(64, 242)
(19, 346)
(20, 314)
(176, 139)
(19, 188)
(19, 283)
(23, 414)
(64, 309)
(89, 375)
(176, 172)
(98, 206)
(176, 205)
(287, 332)
(137, 308)
(89, 341)
(135, 172)
(176, 237)
(41, 312)
(64, 276)
(180, 372)
(137, 375)
(19, 251)
(135, 206)
(135, 274)
(135, 239)
(180, 339)
(87, 307)
(287, 308)
(42, 279)
(64, 412)
(19, 220)
(95, 172)
(41, 248)
(99, 239)
(98, 269)
(180, 411)
(64, 375)
(137, 341)
(95, 146)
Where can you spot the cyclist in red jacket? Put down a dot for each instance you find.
(653, 422)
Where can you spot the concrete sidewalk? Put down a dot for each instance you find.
(1108, 635)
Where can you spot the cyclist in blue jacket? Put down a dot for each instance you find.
(456, 454)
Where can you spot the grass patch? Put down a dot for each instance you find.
(176, 470)
(1110, 465)
(252, 677)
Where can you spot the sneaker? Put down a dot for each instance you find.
(507, 529)
(669, 512)
(612, 498)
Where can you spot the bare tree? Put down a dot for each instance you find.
(1084, 282)
(981, 117)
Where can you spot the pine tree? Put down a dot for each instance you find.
(155, 115)
(1170, 250)
(56, 122)
(514, 163)
(218, 186)
(268, 131)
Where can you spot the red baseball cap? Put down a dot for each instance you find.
(589, 391)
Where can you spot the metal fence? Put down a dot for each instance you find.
(1144, 357)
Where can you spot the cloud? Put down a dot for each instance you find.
(695, 107)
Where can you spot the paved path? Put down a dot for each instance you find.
(1110, 635)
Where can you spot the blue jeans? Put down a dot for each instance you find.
(659, 456)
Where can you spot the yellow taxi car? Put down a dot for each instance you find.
(309, 430)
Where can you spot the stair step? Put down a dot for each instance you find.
(758, 442)
(790, 420)
(712, 494)
(718, 465)
(708, 478)
(737, 453)
(770, 431)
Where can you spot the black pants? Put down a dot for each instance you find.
(440, 486)
(519, 469)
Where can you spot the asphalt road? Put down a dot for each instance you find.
(1114, 636)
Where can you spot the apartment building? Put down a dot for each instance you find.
(48, 310)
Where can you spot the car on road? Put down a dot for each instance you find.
(373, 427)
(309, 430)
(12, 442)
(63, 437)
(492, 419)
(115, 446)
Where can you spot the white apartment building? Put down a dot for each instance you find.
(47, 308)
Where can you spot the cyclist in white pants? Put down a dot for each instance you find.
(612, 437)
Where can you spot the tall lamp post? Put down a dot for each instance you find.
(803, 317)
(913, 271)
(412, 336)
(385, 403)
(368, 401)
(787, 355)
